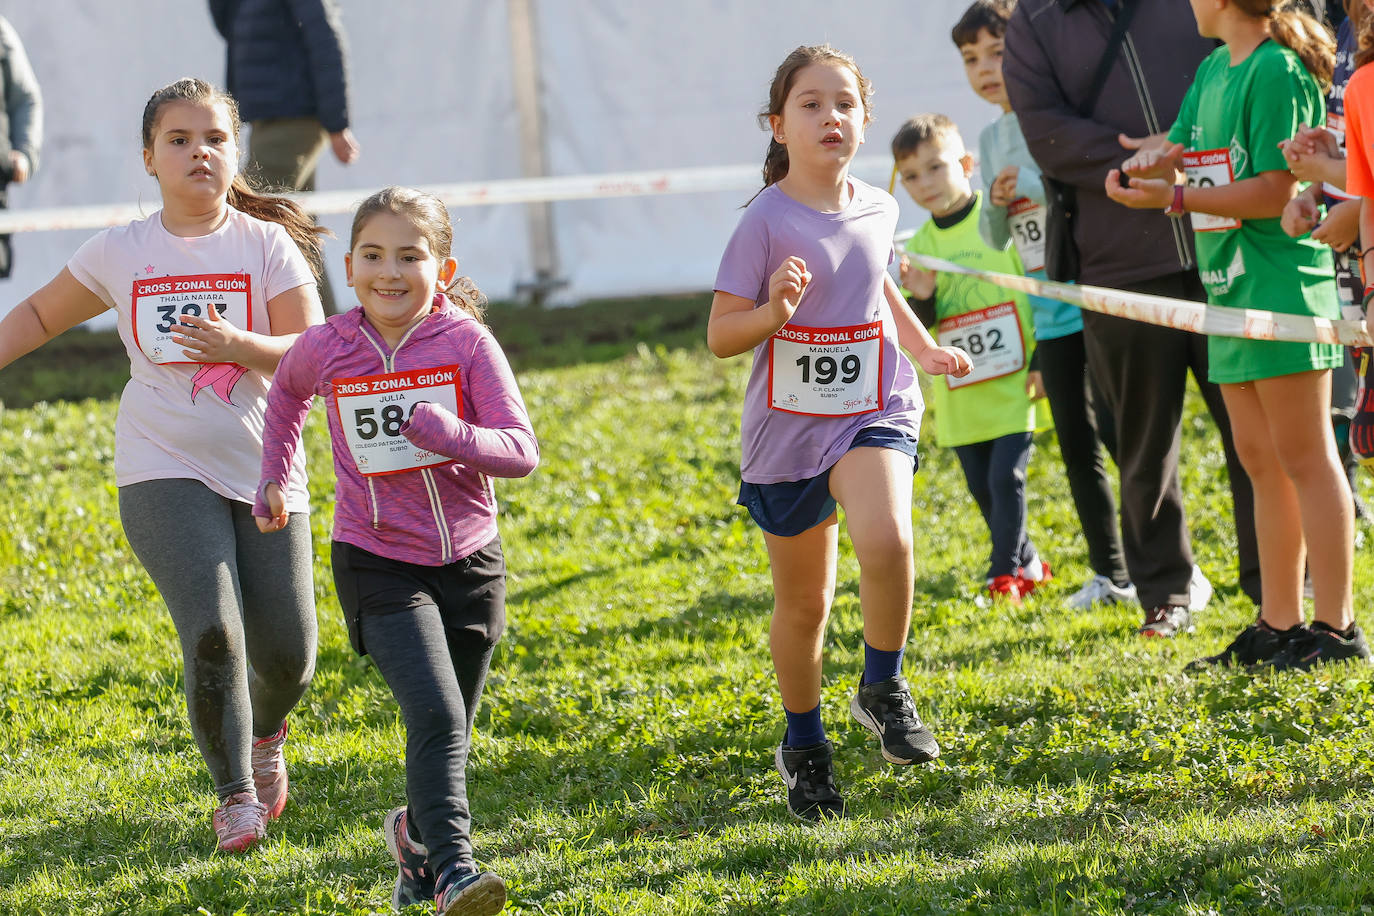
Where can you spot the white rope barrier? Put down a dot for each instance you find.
(1173, 313)
(469, 194)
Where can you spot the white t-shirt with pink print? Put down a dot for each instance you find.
(177, 418)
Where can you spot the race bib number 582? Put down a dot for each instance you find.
(373, 409)
(159, 303)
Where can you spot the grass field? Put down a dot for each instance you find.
(623, 761)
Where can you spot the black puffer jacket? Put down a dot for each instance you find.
(1052, 51)
(286, 59)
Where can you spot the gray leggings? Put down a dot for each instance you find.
(244, 609)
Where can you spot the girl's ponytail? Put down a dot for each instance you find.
(774, 163)
(284, 211)
(1301, 33)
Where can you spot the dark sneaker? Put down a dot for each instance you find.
(885, 709)
(414, 880)
(476, 893)
(810, 776)
(1318, 645)
(1256, 644)
(1167, 620)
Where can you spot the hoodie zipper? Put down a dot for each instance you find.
(1152, 126)
(431, 486)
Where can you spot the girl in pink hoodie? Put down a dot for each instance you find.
(423, 412)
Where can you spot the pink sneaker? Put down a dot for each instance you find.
(269, 772)
(240, 821)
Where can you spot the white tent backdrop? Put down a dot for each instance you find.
(623, 87)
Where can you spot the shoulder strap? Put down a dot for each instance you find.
(1104, 66)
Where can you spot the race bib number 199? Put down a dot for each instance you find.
(372, 409)
(826, 372)
(159, 303)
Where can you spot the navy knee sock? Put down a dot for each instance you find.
(804, 729)
(879, 665)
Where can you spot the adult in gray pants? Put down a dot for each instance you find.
(1053, 48)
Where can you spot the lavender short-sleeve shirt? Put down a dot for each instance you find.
(847, 253)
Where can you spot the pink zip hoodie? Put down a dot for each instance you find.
(429, 516)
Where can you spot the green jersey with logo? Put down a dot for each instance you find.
(993, 325)
(1230, 124)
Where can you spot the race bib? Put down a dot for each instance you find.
(1336, 124)
(372, 409)
(826, 372)
(1027, 221)
(992, 339)
(1207, 169)
(159, 303)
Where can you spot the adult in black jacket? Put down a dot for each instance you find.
(288, 72)
(1053, 48)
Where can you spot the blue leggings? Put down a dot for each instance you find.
(996, 475)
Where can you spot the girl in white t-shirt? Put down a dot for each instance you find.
(208, 292)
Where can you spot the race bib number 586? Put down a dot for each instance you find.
(159, 303)
(372, 410)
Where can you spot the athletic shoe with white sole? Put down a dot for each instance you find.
(1166, 621)
(1100, 590)
(414, 880)
(269, 771)
(886, 709)
(809, 773)
(239, 821)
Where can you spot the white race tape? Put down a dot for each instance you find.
(1212, 320)
(472, 194)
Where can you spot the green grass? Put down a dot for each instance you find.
(623, 760)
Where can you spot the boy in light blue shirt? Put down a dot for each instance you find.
(1015, 214)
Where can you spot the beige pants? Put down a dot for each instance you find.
(283, 153)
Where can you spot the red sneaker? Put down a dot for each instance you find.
(1006, 588)
(269, 771)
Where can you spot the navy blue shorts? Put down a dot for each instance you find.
(788, 508)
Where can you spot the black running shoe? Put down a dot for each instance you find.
(1320, 644)
(1256, 644)
(885, 709)
(810, 776)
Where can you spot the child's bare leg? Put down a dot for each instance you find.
(1278, 517)
(803, 569)
(873, 485)
(1296, 406)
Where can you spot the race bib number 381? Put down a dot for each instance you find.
(159, 303)
(826, 372)
(372, 409)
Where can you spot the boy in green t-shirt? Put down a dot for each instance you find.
(988, 416)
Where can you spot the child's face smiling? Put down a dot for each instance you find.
(394, 273)
(936, 175)
(823, 119)
(983, 66)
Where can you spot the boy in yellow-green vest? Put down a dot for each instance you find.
(988, 416)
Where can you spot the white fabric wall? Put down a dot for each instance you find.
(625, 87)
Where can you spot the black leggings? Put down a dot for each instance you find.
(1082, 431)
(996, 475)
(431, 631)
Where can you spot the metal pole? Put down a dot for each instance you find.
(533, 155)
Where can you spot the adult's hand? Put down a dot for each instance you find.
(344, 145)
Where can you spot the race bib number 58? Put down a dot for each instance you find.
(372, 410)
(826, 372)
(159, 303)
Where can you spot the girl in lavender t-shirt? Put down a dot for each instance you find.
(832, 410)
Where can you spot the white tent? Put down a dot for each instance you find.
(618, 87)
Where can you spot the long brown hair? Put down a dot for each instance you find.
(775, 160)
(242, 195)
(1298, 30)
(428, 214)
(1362, 26)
